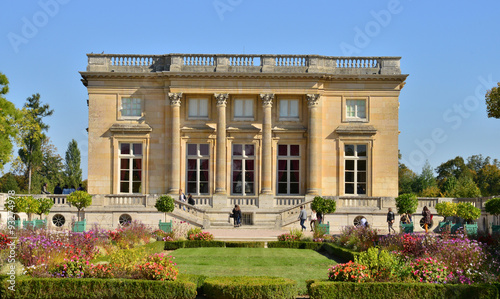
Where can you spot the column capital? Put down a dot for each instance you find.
(175, 98)
(312, 99)
(221, 99)
(267, 99)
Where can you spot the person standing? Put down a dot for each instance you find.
(319, 217)
(427, 218)
(302, 217)
(390, 220)
(182, 198)
(313, 220)
(58, 189)
(237, 215)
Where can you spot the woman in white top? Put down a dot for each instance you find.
(313, 220)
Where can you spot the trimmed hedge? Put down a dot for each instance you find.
(338, 251)
(246, 244)
(96, 288)
(198, 280)
(192, 244)
(297, 245)
(320, 289)
(244, 287)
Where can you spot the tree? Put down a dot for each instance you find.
(165, 204)
(406, 177)
(45, 206)
(452, 168)
(324, 206)
(493, 102)
(488, 179)
(465, 187)
(52, 166)
(406, 203)
(9, 119)
(73, 171)
(9, 183)
(80, 200)
(32, 133)
(426, 180)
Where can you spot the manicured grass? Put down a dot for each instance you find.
(297, 264)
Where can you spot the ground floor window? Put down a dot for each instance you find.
(130, 167)
(288, 169)
(355, 160)
(243, 169)
(197, 168)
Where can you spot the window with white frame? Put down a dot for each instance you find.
(356, 109)
(243, 108)
(131, 107)
(198, 108)
(197, 168)
(355, 166)
(243, 169)
(289, 109)
(288, 169)
(130, 167)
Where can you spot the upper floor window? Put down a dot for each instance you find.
(198, 108)
(243, 108)
(131, 107)
(289, 109)
(356, 109)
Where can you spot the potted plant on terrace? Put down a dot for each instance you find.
(324, 206)
(468, 212)
(407, 203)
(446, 209)
(492, 206)
(44, 208)
(165, 204)
(81, 200)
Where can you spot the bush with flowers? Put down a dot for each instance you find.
(135, 233)
(293, 235)
(203, 236)
(357, 238)
(350, 271)
(429, 270)
(158, 267)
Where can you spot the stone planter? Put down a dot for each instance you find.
(471, 229)
(80, 226)
(406, 228)
(166, 226)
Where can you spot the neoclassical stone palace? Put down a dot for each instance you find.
(263, 131)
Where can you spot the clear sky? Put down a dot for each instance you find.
(450, 49)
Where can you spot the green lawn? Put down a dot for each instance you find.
(297, 264)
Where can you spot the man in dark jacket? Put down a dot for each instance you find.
(390, 220)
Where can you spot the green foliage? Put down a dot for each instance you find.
(407, 178)
(406, 203)
(468, 211)
(246, 287)
(193, 231)
(425, 180)
(492, 206)
(73, 171)
(14, 204)
(379, 290)
(350, 271)
(488, 180)
(202, 243)
(80, 200)
(466, 188)
(339, 251)
(493, 101)
(255, 244)
(446, 209)
(381, 264)
(45, 206)
(297, 245)
(9, 119)
(9, 183)
(324, 206)
(51, 169)
(165, 204)
(28, 205)
(46, 288)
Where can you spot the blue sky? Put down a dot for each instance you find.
(449, 49)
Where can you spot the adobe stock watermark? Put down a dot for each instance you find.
(364, 36)
(223, 6)
(48, 9)
(454, 117)
(11, 246)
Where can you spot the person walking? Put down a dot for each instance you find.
(427, 218)
(313, 220)
(390, 220)
(237, 215)
(302, 217)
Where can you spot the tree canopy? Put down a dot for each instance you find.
(73, 171)
(9, 119)
(493, 102)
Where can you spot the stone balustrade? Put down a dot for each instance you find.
(286, 201)
(244, 201)
(249, 63)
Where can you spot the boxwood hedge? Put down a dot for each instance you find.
(249, 287)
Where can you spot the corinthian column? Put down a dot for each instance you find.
(220, 171)
(267, 103)
(175, 171)
(314, 145)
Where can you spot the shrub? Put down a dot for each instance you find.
(158, 267)
(338, 251)
(296, 245)
(44, 206)
(250, 287)
(446, 209)
(324, 206)
(492, 206)
(165, 204)
(468, 211)
(358, 238)
(407, 202)
(193, 231)
(203, 236)
(131, 235)
(381, 264)
(348, 272)
(429, 270)
(246, 244)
